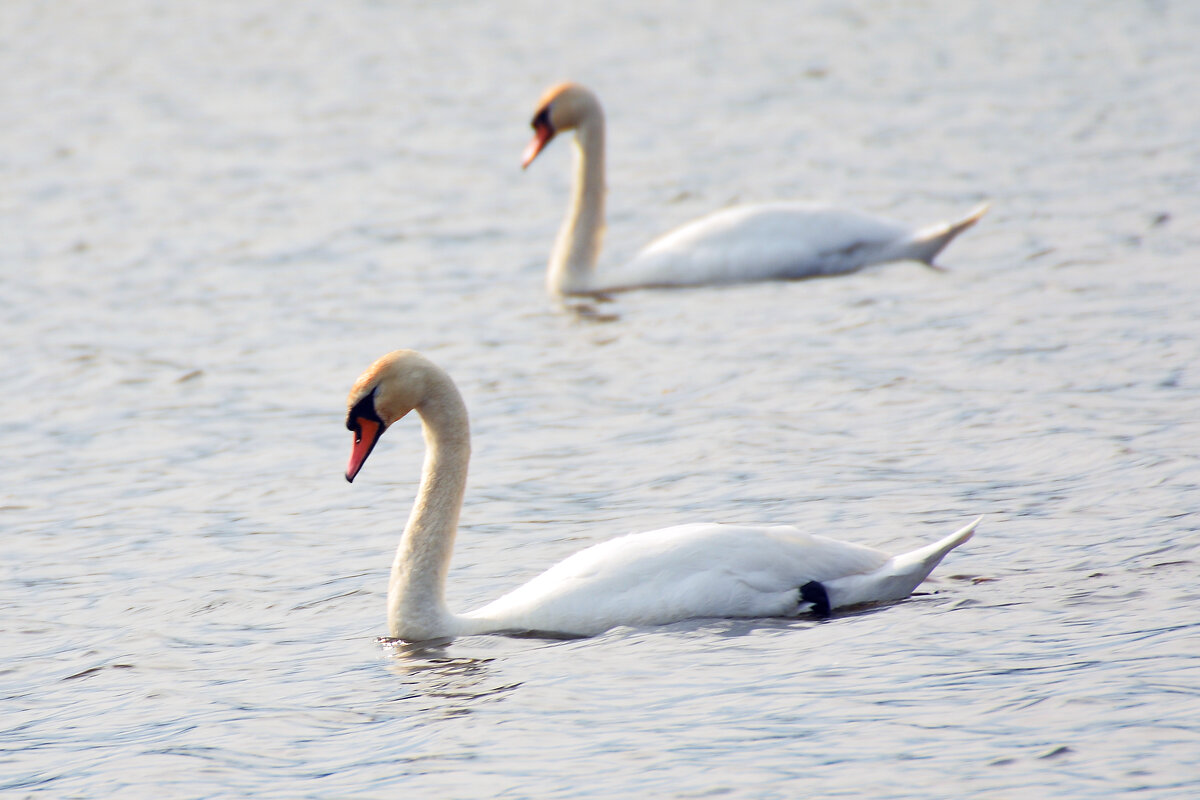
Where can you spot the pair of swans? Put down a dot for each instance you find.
(652, 578)
(772, 241)
(663, 576)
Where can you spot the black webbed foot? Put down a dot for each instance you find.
(813, 592)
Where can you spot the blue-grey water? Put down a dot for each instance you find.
(214, 215)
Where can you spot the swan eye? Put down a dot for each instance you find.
(364, 409)
(542, 120)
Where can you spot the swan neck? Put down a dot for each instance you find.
(573, 261)
(416, 590)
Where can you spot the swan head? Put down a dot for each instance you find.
(562, 108)
(389, 389)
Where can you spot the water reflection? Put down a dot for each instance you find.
(459, 683)
(590, 311)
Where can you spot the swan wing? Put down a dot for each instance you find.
(703, 570)
(761, 242)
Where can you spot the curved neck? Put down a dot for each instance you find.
(416, 590)
(578, 245)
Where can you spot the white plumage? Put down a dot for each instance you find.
(652, 578)
(771, 241)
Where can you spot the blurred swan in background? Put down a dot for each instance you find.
(770, 241)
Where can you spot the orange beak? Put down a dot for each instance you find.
(542, 134)
(366, 434)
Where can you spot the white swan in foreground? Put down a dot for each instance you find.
(689, 571)
(773, 241)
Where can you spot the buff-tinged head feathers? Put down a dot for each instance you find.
(389, 389)
(563, 107)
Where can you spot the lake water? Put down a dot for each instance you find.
(213, 216)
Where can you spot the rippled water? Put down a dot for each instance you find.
(214, 215)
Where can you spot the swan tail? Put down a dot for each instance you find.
(896, 579)
(919, 563)
(928, 242)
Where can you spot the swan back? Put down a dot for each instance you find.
(763, 242)
(683, 572)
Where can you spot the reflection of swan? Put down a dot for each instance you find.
(700, 570)
(745, 243)
(455, 684)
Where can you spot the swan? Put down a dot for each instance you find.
(653, 578)
(770, 241)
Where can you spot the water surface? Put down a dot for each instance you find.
(215, 215)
